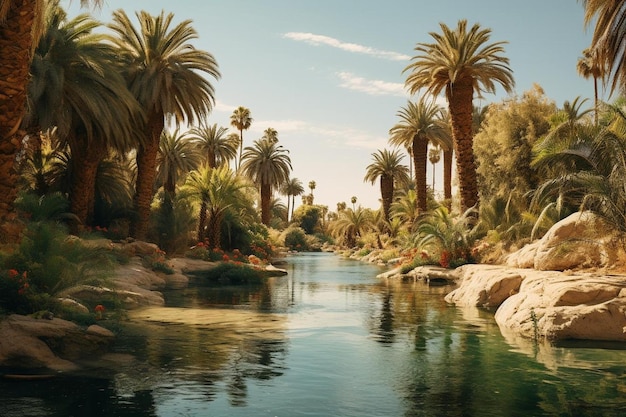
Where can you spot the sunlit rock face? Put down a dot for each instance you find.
(546, 304)
(581, 240)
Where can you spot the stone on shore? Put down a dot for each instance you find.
(55, 344)
(547, 304)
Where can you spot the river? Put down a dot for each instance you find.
(328, 339)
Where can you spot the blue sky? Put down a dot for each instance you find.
(327, 74)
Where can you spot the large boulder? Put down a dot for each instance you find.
(485, 286)
(55, 344)
(578, 306)
(581, 240)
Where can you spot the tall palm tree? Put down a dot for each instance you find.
(434, 156)
(217, 147)
(419, 125)
(164, 72)
(76, 88)
(267, 165)
(292, 188)
(21, 25)
(446, 142)
(241, 120)
(461, 63)
(607, 43)
(178, 155)
(388, 167)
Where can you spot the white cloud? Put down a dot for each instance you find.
(317, 40)
(372, 87)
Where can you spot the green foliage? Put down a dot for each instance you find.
(47, 262)
(171, 223)
(295, 239)
(503, 147)
(308, 217)
(232, 273)
(447, 238)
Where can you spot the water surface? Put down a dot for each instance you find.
(328, 339)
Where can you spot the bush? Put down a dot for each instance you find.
(233, 273)
(295, 239)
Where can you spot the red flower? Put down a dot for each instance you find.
(13, 273)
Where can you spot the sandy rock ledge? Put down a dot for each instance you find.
(548, 304)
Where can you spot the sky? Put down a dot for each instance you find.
(327, 75)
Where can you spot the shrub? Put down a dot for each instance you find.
(233, 273)
(295, 239)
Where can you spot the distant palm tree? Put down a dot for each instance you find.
(21, 25)
(461, 63)
(178, 155)
(434, 155)
(270, 134)
(217, 147)
(588, 66)
(292, 188)
(241, 120)
(353, 201)
(419, 124)
(76, 89)
(312, 186)
(164, 72)
(388, 167)
(267, 165)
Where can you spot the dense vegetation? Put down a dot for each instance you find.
(90, 156)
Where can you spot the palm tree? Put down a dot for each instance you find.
(217, 147)
(77, 89)
(218, 190)
(312, 186)
(21, 25)
(178, 155)
(270, 134)
(434, 156)
(268, 165)
(461, 63)
(607, 50)
(163, 71)
(388, 167)
(292, 188)
(241, 120)
(588, 66)
(405, 207)
(419, 125)
(353, 201)
(351, 224)
(446, 142)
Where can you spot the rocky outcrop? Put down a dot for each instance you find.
(55, 344)
(546, 304)
(581, 240)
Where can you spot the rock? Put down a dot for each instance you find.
(72, 305)
(54, 344)
(272, 271)
(189, 266)
(560, 306)
(550, 305)
(485, 286)
(580, 240)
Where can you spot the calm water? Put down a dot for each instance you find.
(329, 339)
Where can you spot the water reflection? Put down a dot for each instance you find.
(328, 339)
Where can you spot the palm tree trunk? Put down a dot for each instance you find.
(266, 196)
(460, 104)
(15, 43)
(85, 161)
(146, 174)
(447, 178)
(214, 230)
(420, 158)
(288, 206)
(202, 221)
(386, 193)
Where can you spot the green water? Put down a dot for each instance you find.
(328, 339)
